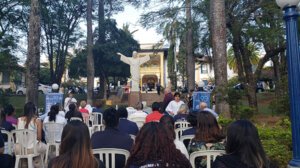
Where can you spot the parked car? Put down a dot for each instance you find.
(259, 87)
(43, 89)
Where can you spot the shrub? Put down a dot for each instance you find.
(277, 142)
(246, 113)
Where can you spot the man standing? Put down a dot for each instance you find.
(168, 97)
(158, 88)
(69, 100)
(203, 107)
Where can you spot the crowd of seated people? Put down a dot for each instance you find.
(155, 143)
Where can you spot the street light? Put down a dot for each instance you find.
(293, 58)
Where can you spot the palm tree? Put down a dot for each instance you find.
(254, 58)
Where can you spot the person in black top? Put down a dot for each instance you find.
(6, 161)
(243, 148)
(5, 125)
(125, 125)
(75, 149)
(73, 113)
(111, 137)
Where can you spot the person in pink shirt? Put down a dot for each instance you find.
(10, 114)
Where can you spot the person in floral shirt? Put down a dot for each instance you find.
(208, 136)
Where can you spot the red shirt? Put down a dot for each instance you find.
(83, 110)
(155, 116)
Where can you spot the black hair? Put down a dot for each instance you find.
(243, 140)
(168, 123)
(72, 107)
(155, 106)
(177, 94)
(111, 117)
(123, 113)
(9, 109)
(53, 112)
(192, 118)
(3, 115)
(161, 107)
(29, 112)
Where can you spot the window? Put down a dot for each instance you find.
(6, 77)
(204, 68)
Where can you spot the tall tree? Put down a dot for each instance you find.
(33, 56)
(218, 33)
(90, 58)
(190, 60)
(60, 20)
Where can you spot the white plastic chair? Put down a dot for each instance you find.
(178, 132)
(95, 118)
(96, 128)
(139, 121)
(132, 137)
(186, 137)
(10, 141)
(182, 124)
(105, 153)
(86, 118)
(75, 118)
(23, 137)
(53, 137)
(130, 111)
(210, 156)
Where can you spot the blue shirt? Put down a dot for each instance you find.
(128, 127)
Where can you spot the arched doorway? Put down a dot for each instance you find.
(151, 81)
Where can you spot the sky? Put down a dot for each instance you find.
(131, 16)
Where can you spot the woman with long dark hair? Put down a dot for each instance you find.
(73, 113)
(153, 147)
(31, 122)
(75, 149)
(168, 123)
(243, 148)
(54, 117)
(208, 136)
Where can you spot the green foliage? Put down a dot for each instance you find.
(246, 113)
(277, 142)
(225, 122)
(3, 99)
(280, 105)
(45, 76)
(77, 67)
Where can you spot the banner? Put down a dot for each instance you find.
(200, 97)
(52, 99)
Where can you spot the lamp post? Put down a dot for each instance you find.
(293, 58)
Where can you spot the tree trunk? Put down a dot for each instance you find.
(251, 93)
(218, 31)
(190, 61)
(33, 55)
(90, 59)
(101, 22)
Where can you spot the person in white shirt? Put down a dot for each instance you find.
(139, 114)
(174, 105)
(69, 100)
(54, 117)
(203, 107)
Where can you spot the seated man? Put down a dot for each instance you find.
(125, 125)
(5, 159)
(111, 137)
(156, 115)
(203, 107)
(139, 113)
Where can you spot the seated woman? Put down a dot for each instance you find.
(73, 113)
(60, 109)
(153, 147)
(31, 122)
(192, 119)
(54, 117)
(5, 159)
(75, 149)
(10, 114)
(243, 148)
(208, 136)
(181, 113)
(82, 107)
(7, 126)
(168, 123)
